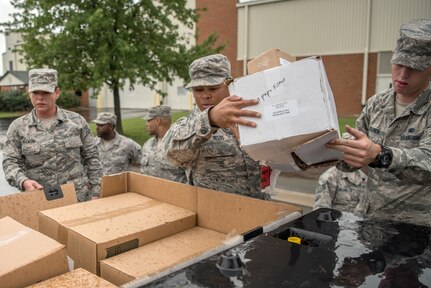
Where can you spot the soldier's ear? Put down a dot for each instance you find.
(57, 92)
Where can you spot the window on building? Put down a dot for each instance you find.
(10, 65)
(385, 62)
(181, 91)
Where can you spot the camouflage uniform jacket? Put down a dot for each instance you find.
(64, 153)
(340, 190)
(155, 163)
(403, 190)
(119, 155)
(213, 156)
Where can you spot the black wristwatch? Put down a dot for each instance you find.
(383, 159)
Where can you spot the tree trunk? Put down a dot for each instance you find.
(117, 107)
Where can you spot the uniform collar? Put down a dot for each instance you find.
(60, 116)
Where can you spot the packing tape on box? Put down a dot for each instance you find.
(111, 214)
(7, 239)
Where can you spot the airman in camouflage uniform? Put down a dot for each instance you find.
(51, 146)
(117, 153)
(340, 190)
(212, 154)
(154, 161)
(393, 134)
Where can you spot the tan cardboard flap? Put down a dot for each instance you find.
(24, 206)
(225, 213)
(268, 59)
(152, 258)
(278, 150)
(54, 222)
(75, 279)
(314, 151)
(28, 256)
(174, 193)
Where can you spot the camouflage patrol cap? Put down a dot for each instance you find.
(42, 79)
(413, 47)
(209, 71)
(158, 111)
(105, 118)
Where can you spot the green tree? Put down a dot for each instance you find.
(91, 42)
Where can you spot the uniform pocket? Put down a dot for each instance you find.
(221, 149)
(73, 142)
(30, 148)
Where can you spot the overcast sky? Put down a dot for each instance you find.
(5, 9)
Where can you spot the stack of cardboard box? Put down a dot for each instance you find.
(298, 111)
(141, 228)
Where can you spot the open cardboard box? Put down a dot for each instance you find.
(105, 227)
(28, 256)
(24, 206)
(223, 221)
(298, 115)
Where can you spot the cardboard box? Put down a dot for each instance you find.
(23, 207)
(269, 59)
(55, 222)
(91, 242)
(28, 256)
(221, 217)
(74, 279)
(298, 115)
(157, 256)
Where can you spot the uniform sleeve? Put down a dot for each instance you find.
(410, 165)
(184, 139)
(90, 159)
(413, 165)
(325, 189)
(135, 153)
(13, 160)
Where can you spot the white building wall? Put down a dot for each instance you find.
(323, 27)
(13, 41)
(142, 98)
(387, 17)
(10, 80)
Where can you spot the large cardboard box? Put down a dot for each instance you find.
(269, 59)
(23, 207)
(157, 256)
(223, 220)
(28, 256)
(298, 115)
(55, 222)
(75, 279)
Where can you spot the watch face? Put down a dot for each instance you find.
(385, 157)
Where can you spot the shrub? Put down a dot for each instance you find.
(68, 100)
(14, 100)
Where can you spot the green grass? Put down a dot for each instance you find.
(135, 128)
(5, 115)
(346, 121)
